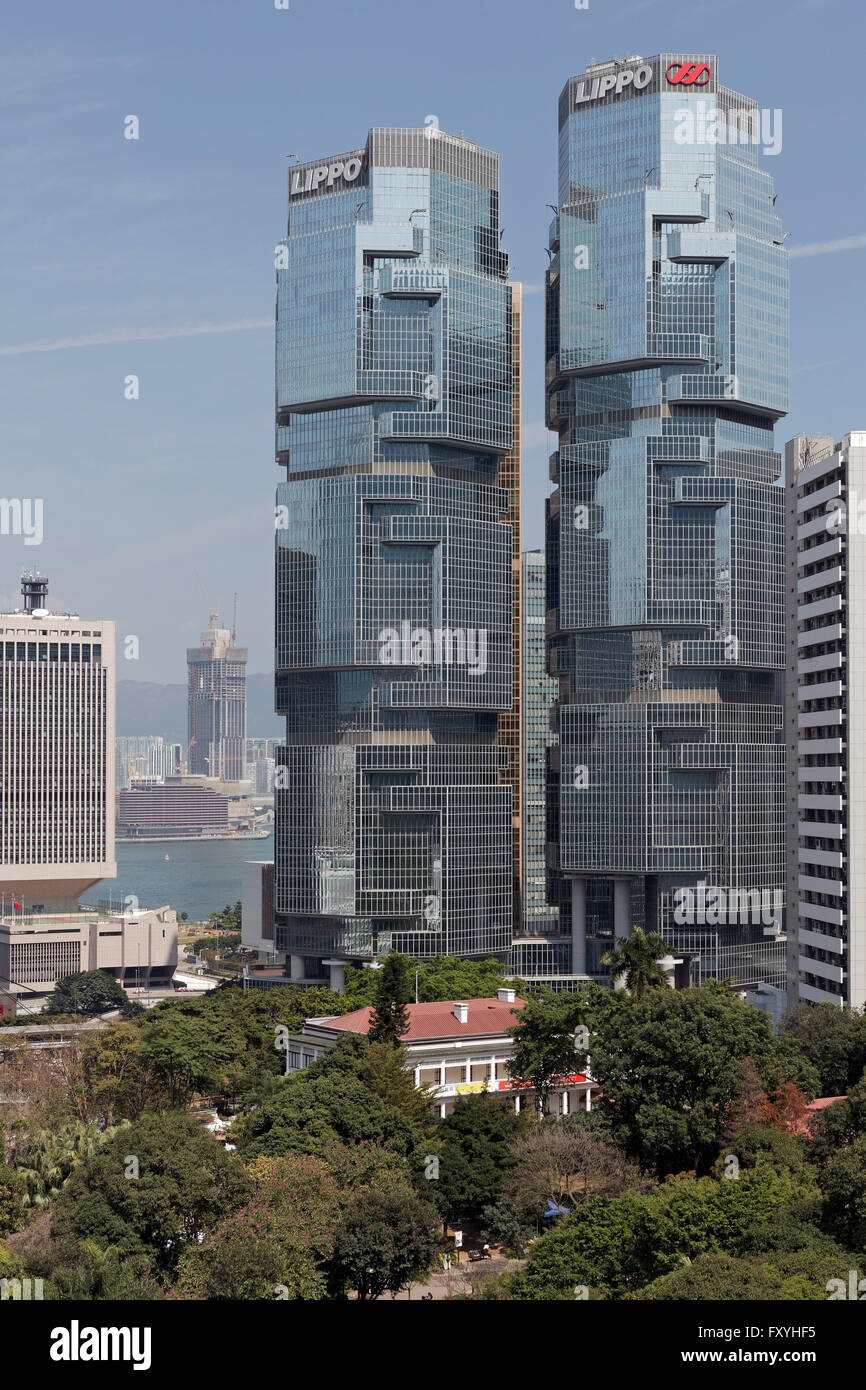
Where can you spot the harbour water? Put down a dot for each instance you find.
(199, 876)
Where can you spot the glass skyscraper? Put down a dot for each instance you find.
(394, 579)
(667, 342)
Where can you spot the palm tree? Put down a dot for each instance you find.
(637, 958)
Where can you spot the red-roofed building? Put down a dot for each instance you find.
(454, 1049)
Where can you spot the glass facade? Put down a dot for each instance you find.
(666, 370)
(538, 697)
(394, 641)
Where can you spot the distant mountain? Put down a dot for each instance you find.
(143, 707)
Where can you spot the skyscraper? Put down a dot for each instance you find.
(826, 489)
(217, 705)
(393, 556)
(666, 370)
(57, 693)
(539, 948)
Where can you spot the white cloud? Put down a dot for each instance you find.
(135, 335)
(827, 248)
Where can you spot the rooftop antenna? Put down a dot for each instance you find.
(235, 622)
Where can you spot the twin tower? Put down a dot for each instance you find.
(398, 623)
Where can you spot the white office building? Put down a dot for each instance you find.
(57, 692)
(826, 714)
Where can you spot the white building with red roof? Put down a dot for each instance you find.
(454, 1049)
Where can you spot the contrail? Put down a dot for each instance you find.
(135, 335)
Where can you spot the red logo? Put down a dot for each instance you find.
(688, 74)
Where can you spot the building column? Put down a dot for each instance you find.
(622, 908)
(296, 966)
(578, 926)
(337, 970)
(565, 1103)
(588, 1094)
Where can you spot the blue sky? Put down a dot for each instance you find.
(155, 257)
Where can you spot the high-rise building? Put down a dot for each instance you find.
(826, 492)
(510, 723)
(539, 692)
(394, 647)
(539, 948)
(667, 348)
(217, 705)
(57, 702)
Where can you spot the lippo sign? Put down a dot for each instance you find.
(317, 176)
(574, 1079)
(616, 82)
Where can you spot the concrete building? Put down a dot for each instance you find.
(217, 705)
(667, 366)
(138, 949)
(57, 713)
(457, 1049)
(826, 801)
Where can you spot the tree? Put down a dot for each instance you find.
(390, 1019)
(566, 1162)
(548, 1043)
(280, 1243)
(475, 1153)
(669, 1065)
(833, 1040)
(277, 1241)
(636, 958)
(383, 1242)
(86, 992)
(150, 1189)
(104, 1276)
(11, 1199)
(50, 1156)
(326, 1104)
(502, 1225)
(617, 1245)
(839, 1125)
(843, 1183)
(797, 1277)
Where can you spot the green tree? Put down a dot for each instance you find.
(548, 1041)
(326, 1104)
(475, 1153)
(670, 1066)
(87, 992)
(150, 1189)
(635, 959)
(11, 1199)
(833, 1040)
(617, 1245)
(50, 1156)
(796, 1277)
(838, 1125)
(104, 1276)
(390, 1019)
(502, 1225)
(843, 1183)
(384, 1241)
